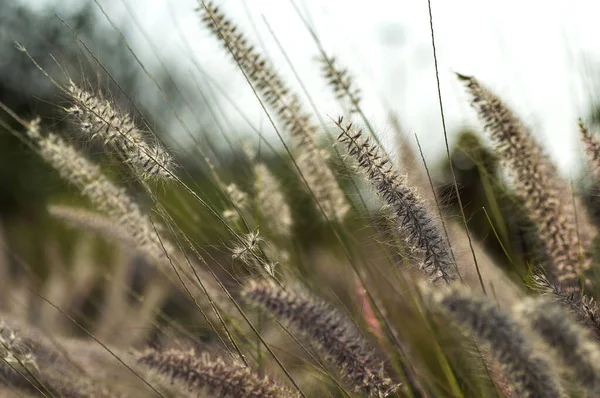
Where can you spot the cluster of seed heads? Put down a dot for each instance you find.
(537, 184)
(512, 335)
(110, 199)
(287, 107)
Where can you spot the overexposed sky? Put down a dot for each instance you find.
(540, 56)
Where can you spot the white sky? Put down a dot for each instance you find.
(537, 55)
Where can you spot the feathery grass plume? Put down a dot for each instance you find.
(22, 358)
(577, 352)
(506, 291)
(102, 119)
(91, 221)
(336, 336)
(537, 184)
(584, 308)
(103, 193)
(341, 81)
(286, 104)
(13, 350)
(416, 223)
(592, 148)
(409, 160)
(240, 200)
(274, 208)
(531, 375)
(201, 373)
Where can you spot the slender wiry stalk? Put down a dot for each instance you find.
(101, 118)
(537, 184)
(335, 336)
(530, 374)
(577, 353)
(200, 373)
(416, 223)
(288, 108)
(584, 308)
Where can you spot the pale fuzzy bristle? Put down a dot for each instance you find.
(98, 118)
(336, 336)
(537, 184)
(287, 106)
(415, 222)
(201, 373)
(531, 375)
